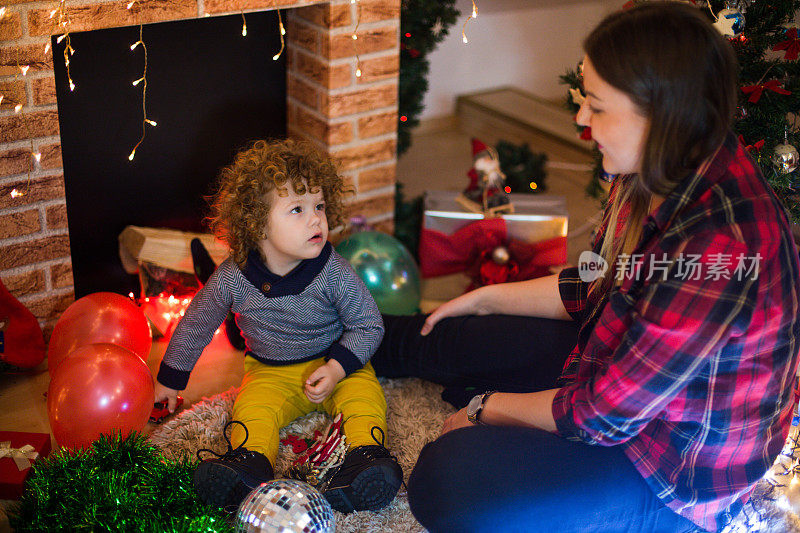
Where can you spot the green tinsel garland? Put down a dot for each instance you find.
(119, 484)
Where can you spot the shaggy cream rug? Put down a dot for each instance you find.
(416, 413)
(415, 416)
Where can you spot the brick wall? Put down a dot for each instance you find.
(353, 118)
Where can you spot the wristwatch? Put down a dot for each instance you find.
(475, 406)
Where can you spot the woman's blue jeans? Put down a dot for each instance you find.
(505, 479)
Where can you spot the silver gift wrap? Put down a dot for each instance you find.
(535, 218)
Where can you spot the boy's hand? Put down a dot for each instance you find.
(165, 394)
(322, 381)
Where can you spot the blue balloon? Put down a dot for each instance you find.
(386, 268)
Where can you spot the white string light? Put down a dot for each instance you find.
(143, 80)
(474, 15)
(281, 32)
(61, 25)
(355, 37)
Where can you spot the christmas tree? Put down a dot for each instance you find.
(422, 26)
(766, 41)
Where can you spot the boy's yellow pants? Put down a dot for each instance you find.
(271, 397)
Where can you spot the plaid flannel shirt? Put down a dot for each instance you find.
(692, 374)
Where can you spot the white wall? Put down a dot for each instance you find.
(523, 43)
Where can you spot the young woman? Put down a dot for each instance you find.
(678, 395)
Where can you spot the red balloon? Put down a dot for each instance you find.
(100, 317)
(98, 388)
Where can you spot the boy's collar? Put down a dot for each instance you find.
(271, 285)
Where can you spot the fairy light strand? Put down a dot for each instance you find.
(244, 25)
(62, 24)
(473, 15)
(143, 80)
(281, 32)
(35, 155)
(355, 37)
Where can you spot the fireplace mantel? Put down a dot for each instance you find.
(353, 118)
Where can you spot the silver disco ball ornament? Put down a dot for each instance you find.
(785, 158)
(285, 506)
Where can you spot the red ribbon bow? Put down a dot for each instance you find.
(750, 147)
(470, 248)
(791, 45)
(757, 90)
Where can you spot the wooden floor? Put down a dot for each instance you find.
(439, 158)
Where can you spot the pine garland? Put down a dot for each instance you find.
(523, 168)
(423, 25)
(407, 220)
(118, 484)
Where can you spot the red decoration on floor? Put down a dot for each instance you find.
(18, 451)
(21, 340)
(99, 389)
(161, 410)
(101, 317)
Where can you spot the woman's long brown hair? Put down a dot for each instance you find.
(683, 76)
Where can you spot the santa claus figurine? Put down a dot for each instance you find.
(486, 191)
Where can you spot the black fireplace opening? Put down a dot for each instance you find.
(210, 90)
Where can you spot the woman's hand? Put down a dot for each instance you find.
(471, 303)
(165, 394)
(456, 420)
(322, 381)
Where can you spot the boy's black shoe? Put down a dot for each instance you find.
(226, 480)
(368, 479)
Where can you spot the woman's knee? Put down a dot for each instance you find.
(426, 485)
(439, 485)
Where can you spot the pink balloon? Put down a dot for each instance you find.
(98, 388)
(100, 317)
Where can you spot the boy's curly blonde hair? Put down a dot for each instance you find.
(240, 207)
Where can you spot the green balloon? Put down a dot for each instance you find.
(386, 268)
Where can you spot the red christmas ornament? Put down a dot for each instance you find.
(750, 147)
(755, 91)
(492, 271)
(791, 45)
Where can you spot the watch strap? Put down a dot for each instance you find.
(476, 419)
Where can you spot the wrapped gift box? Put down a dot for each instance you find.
(455, 244)
(18, 451)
